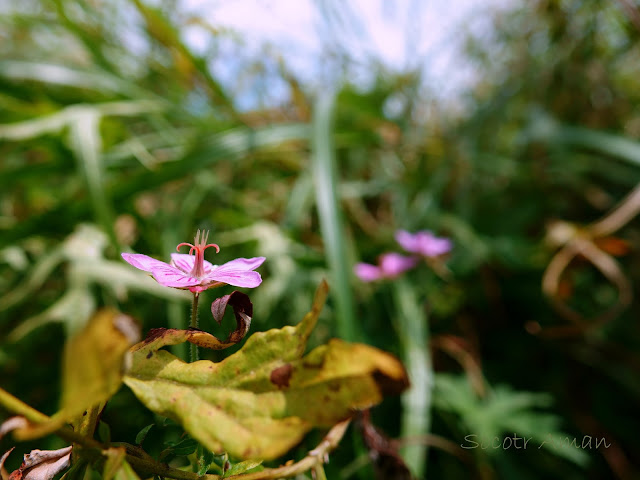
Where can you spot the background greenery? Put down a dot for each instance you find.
(115, 136)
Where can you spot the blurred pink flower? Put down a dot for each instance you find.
(423, 243)
(390, 265)
(193, 272)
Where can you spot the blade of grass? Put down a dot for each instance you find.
(93, 80)
(546, 129)
(229, 145)
(413, 332)
(86, 144)
(323, 166)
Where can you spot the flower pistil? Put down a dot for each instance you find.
(199, 245)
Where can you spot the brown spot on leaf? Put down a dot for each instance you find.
(248, 453)
(153, 334)
(390, 385)
(280, 376)
(150, 354)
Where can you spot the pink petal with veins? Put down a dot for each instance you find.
(238, 272)
(185, 262)
(243, 263)
(173, 277)
(142, 262)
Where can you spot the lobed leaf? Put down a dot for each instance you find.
(260, 402)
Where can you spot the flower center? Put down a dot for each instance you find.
(199, 246)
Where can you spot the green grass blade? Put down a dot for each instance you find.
(229, 145)
(546, 129)
(326, 183)
(413, 331)
(86, 144)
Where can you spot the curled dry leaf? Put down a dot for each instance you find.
(242, 309)
(40, 464)
(11, 424)
(161, 337)
(260, 401)
(3, 471)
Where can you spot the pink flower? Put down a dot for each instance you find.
(390, 265)
(194, 273)
(423, 243)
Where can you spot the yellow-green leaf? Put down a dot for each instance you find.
(93, 366)
(116, 467)
(261, 401)
(93, 360)
(242, 467)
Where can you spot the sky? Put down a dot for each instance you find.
(310, 36)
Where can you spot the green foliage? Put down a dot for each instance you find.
(115, 135)
(255, 405)
(502, 411)
(259, 402)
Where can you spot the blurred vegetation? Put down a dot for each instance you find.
(115, 135)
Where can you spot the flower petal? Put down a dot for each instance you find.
(423, 242)
(237, 278)
(170, 276)
(407, 241)
(242, 264)
(367, 272)
(436, 246)
(393, 264)
(185, 262)
(142, 262)
(237, 272)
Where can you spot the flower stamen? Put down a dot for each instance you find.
(199, 246)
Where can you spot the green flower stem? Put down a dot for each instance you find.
(193, 349)
(416, 402)
(17, 406)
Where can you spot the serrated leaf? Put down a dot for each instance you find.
(261, 401)
(185, 446)
(242, 467)
(205, 460)
(503, 411)
(93, 365)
